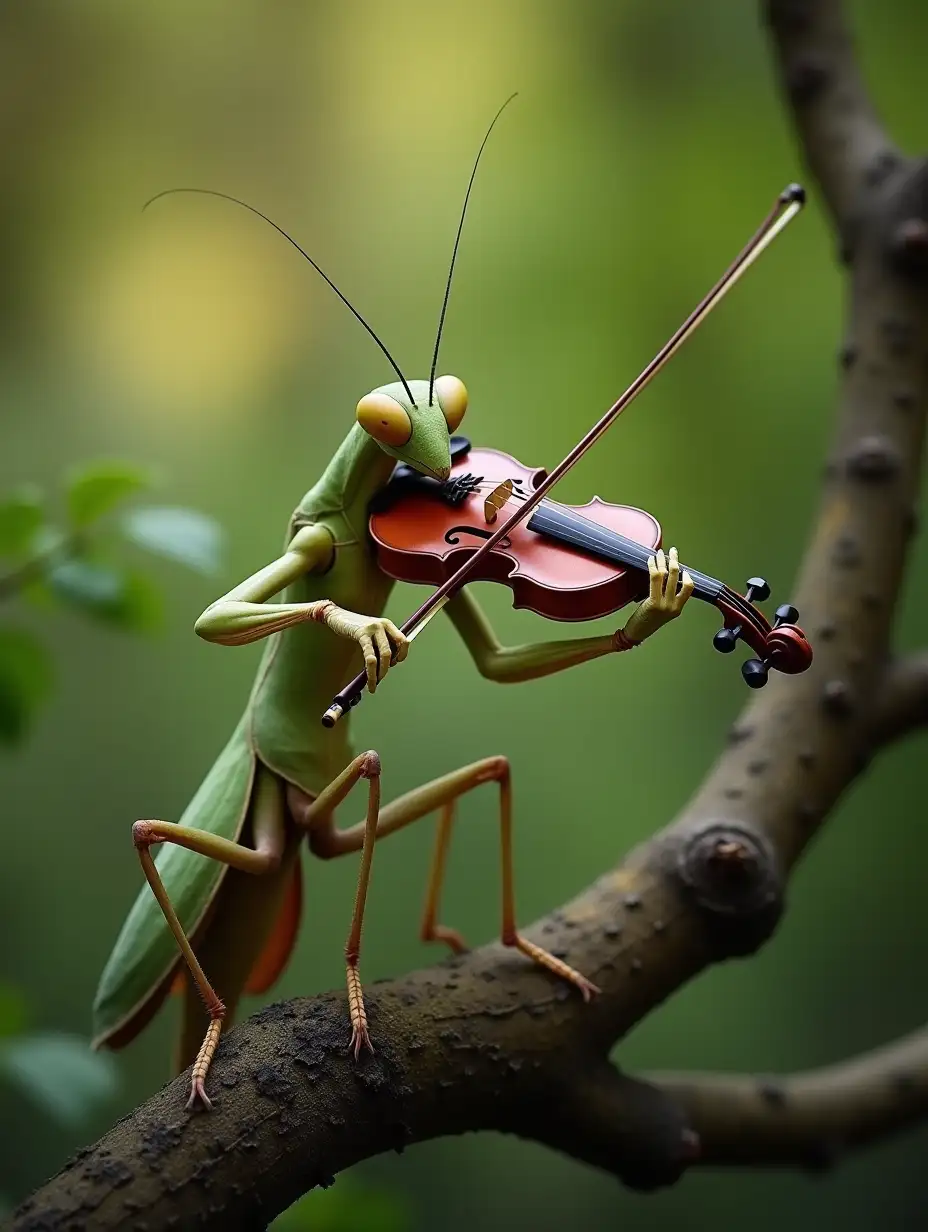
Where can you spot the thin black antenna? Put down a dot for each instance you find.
(457, 240)
(212, 192)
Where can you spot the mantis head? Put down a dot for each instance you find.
(413, 427)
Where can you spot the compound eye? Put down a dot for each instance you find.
(384, 419)
(452, 398)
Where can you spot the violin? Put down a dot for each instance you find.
(565, 562)
(613, 541)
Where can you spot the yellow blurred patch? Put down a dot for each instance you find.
(457, 64)
(194, 310)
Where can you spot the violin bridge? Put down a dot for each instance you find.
(497, 499)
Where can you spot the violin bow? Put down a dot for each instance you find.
(786, 207)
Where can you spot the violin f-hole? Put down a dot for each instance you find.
(453, 535)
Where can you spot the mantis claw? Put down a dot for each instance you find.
(588, 990)
(585, 987)
(359, 1033)
(359, 1039)
(198, 1091)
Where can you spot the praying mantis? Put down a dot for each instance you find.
(281, 777)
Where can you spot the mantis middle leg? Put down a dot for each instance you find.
(327, 842)
(269, 836)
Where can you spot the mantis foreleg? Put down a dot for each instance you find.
(269, 835)
(511, 664)
(244, 615)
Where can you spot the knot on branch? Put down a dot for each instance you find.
(731, 874)
(905, 225)
(881, 167)
(838, 699)
(874, 459)
(909, 247)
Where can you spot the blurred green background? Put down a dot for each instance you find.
(647, 142)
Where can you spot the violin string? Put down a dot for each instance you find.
(598, 538)
(589, 535)
(746, 611)
(706, 586)
(592, 534)
(608, 536)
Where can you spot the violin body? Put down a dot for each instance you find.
(420, 537)
(565, 562)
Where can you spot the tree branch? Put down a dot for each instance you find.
(622, 1125)
(844, 144)
(901, 705)
(487, 1041)
(807, 1120)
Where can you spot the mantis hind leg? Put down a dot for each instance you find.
(327, 842)
(244, 944)
(269, 836)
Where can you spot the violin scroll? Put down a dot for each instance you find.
(788, 649)
(782, 646)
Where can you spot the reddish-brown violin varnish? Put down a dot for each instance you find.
(423, 539)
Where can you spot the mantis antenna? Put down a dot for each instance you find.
(212, 192)
(457, 240)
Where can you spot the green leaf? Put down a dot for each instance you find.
(183, 535)
(95, 588)
(21, 515)
(345, 1207)
(97, 489)
(14, 1016)
(116, 596)
(25, 681)
(60, 1073)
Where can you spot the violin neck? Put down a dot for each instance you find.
(567, 526)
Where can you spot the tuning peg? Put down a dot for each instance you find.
(726, 639)
(786, 614)
(757, 590)
(755, 673)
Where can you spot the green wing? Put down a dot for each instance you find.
(146, 951)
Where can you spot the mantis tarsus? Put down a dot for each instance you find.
(281, 776)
